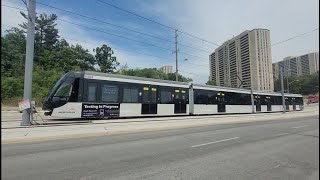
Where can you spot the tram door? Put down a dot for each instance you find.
(287, 103)
(221, 102)
(258, 103)
(149, 100)
(268, 101)
(294, 103)
(180, 101)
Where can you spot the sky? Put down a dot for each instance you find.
(153, 46)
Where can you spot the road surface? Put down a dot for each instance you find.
(284, 149)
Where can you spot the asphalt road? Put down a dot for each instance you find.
(284, 149)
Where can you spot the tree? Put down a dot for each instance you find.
(105, 59)
(46, 35)
(52, 58)
(211, 83)
(306, 84)
(151, 73)
(12, 52)
(83, 58)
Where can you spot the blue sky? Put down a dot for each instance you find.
(215, 21)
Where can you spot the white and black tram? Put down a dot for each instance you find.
(84, 94)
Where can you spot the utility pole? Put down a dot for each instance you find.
(282, 90)
(27, 91)
(287, 85)
(176, 51)
(252, 100)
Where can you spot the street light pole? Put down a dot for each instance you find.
(282, 90)
(252, 101)
(27, 90)
(176, 51)
(287, 84)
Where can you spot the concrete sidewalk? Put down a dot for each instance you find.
(123, 126)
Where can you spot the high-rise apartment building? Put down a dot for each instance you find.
(244, 61)
(166, 69)
(297, 66)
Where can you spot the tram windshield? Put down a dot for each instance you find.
(66, 89)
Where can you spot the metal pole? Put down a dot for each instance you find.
(282, 90)
(288, 84)
(176, 42)
(191, 99)
(27, 91)
(252, 101)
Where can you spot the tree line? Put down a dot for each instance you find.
(306, 84)
(54, 56)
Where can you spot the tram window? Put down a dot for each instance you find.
(92, 92)
(165, 97)
(109, 93)
(75, 91)
(276, 100)
(299, 101)
(63, 93)
(201, 97)
(212, 98)
(130, 95)
(238, 98)
(245, 99)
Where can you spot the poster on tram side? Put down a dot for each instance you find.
(100, 110)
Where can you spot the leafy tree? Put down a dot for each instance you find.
(105, 59)
(211, 83)
(306, 84)
(83, 58)
(11, 87)
(46, 35)
(53, 58)
(12, 52)
(152, 73)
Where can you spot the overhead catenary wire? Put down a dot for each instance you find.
(120, 36)
(164, 58)
(95, 19)
(132, 13)
(160, 57)
(114, 25)
(174, 28)
(161, 24)
(256, 50)
(142, 42)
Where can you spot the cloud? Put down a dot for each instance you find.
(10, 17)
(218, 21)
(215, 21)
(75, 35)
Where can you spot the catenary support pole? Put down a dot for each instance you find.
(282, 90)
(252, 101)
(27, 91)
(288, 85)
(176, 51)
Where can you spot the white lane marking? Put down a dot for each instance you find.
(299, 127)
(281, 134)
(215, 142)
